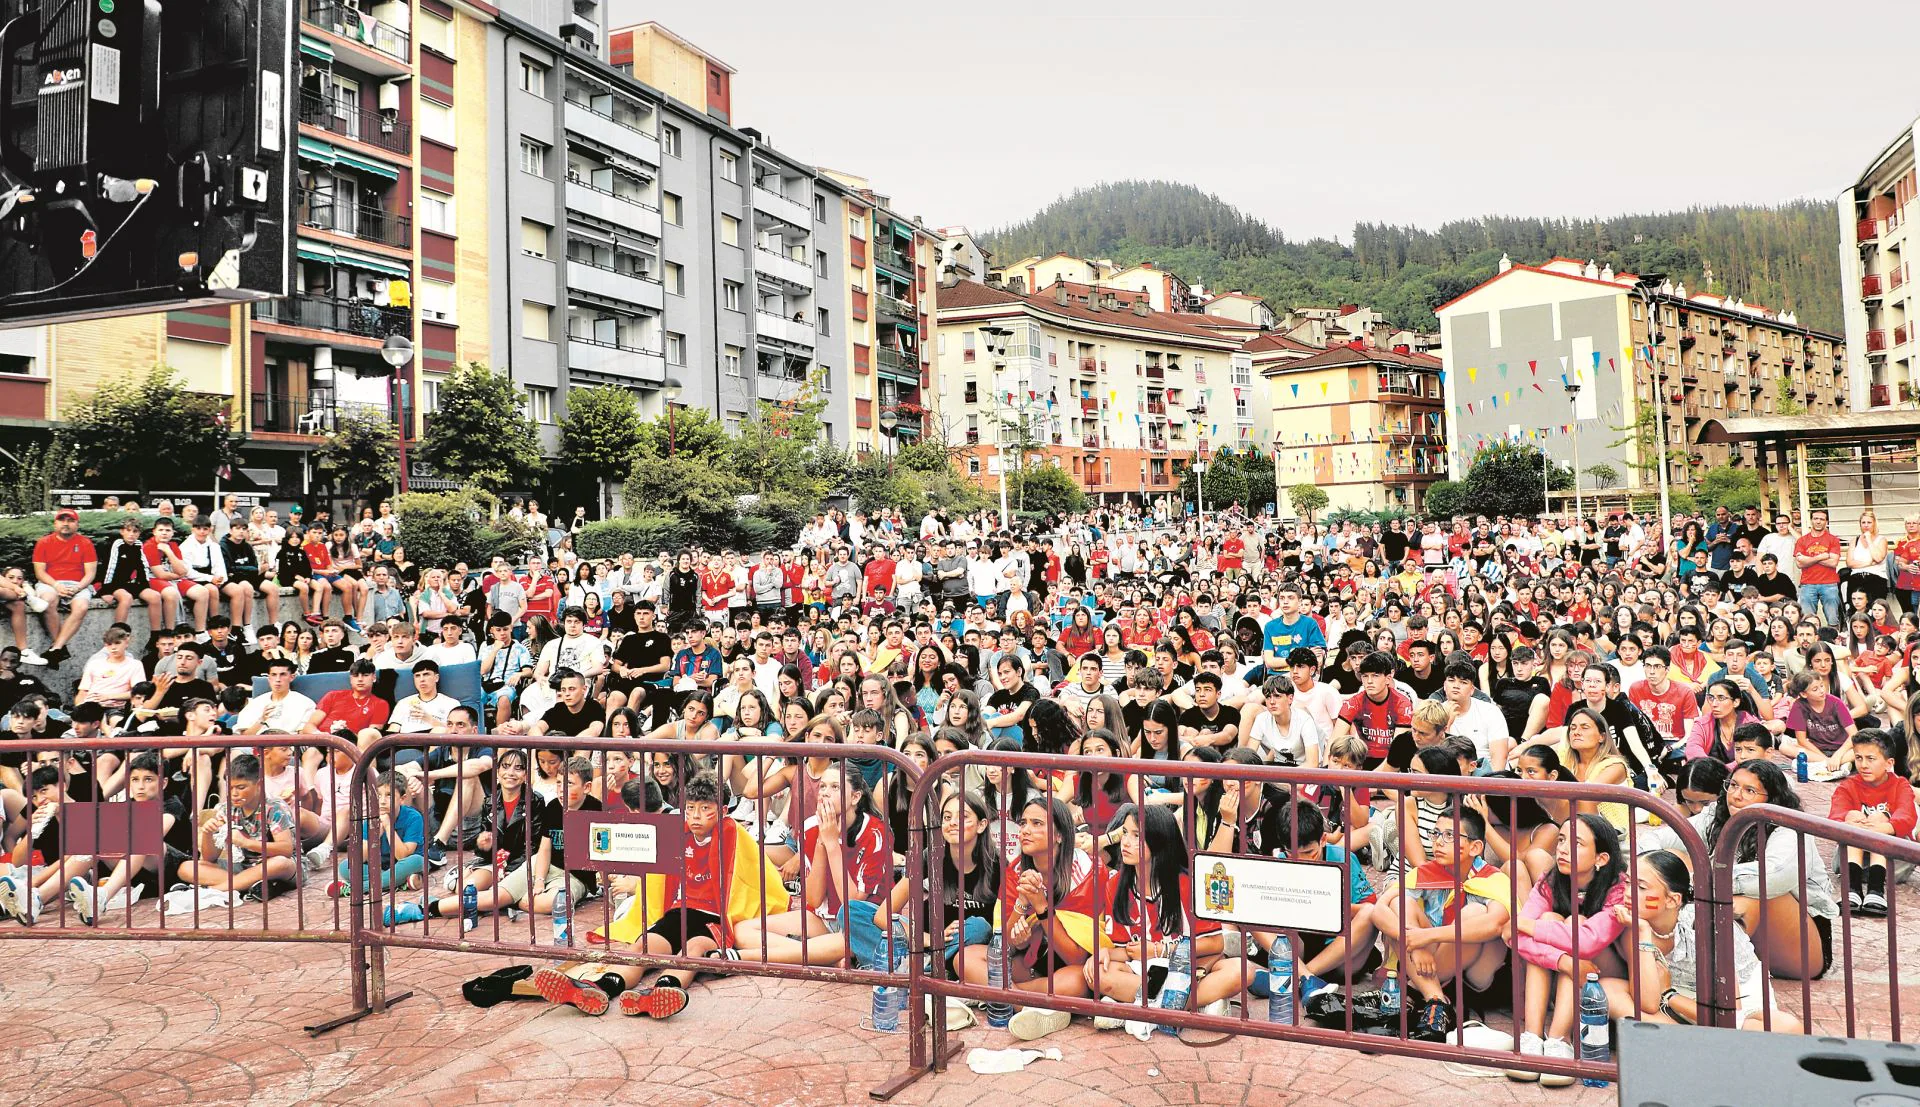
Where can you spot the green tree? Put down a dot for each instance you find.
(1729, 487)
(600, 435)
(1604, 476)
(1786, 403)
(1047, 488)
(693, 488)
(129, 431)
(773, 445)
(1307, 499)
(360, 456)
(481, 436)
(874, 484)
(27, 486)
(1226, 484)
(1643, 435)
(928, 455)
(1505, 480)
(689, 432)
(1445, 499)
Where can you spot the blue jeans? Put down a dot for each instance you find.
(401, 870)
(1825, 598)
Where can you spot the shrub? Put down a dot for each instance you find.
(1445, 499)
(19, 533)
(641, 535)
(440, 528)
(755, 533)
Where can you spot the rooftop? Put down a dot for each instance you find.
(966, 295)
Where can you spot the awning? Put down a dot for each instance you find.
(313, 150)
(314, 48)
(591, 234)
(370, 263)
(365, 165)
(315, 251)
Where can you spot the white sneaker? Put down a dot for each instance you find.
(9, 896)
(1530, 1046)
(318, 856)
(80, 898)
(28, 657)
(1140, 1030)
(1108, 1022)
(1222, 1007)
(1557, 1049)
(1029, 1023)
(35, 602)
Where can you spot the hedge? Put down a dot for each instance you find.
(18, 533)
(642, 535)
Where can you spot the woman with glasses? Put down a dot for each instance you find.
(1728, 709)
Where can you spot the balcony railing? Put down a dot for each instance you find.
(1870, 285)
(1876, 341)
(1900, 335)
(1087, 365)
(1091, 441)
(973, 438)
(1156, 407)
(315, 413)
(894, 305)
(371, 222)
(1157, 445)
(1089, 404)
(330, 314)
(897, 363)
(347, 119)
(1880, 395)
(351, 22)
(1156, 373)
(908, 422)
(1867, 230)
(892, 259)
(1897, 276)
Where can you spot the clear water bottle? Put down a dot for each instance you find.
(1173, 993)
(1280, 982)
(890, 1001)
(1800, 767)
(562, 917)
(469, 907)
(1595, 1040)
(1390, 995)
(998, 1014)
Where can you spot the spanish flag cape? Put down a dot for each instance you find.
(1077, 912)
(1486, 881)
(750, 879)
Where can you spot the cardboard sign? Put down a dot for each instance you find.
(112, 829)
(626, 843)
(1268, 893)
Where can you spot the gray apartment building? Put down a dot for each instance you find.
(639, 238)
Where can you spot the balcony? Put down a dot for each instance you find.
(328, 313)
(1091, 441)
(1087, 365)
(1157, 445)
(897, 365)
(1897, 276)
(369, 222)
(337, 115)
(907, 423)
(315, 413)
(973, 438)
(585, 355)
(588, 199)
(1156, 373)
(611, 133)
(774, 204)
(892, 260)
(1089, 405)
(349, 22)
(780, 267)
(1156, 407)
(1866, 230)
(1900, 335)
(1880, 395)
(793, 331)
(625, 286)
(1876, 341)
(1870, 287)
(900, 309)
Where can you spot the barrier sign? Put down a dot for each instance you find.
(1269, 894)
(627, 843)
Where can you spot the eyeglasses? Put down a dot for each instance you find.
(1749, 791)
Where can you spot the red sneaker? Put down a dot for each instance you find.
(654, 1003)
(555, 986)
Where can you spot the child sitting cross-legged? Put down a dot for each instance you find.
(1876, 797)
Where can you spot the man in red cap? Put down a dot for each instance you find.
(64, 564)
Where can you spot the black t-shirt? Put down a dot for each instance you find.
(562, 720)
(180, 835)
(1423, 686)
(17, 687)
(1394, 542)
(1745, 578)
(1401, 751)
(1346, 680)
(1753, 535)
(180, 691)
(332, 661)
(1779, 585)
(1003, 701)
(643, 648)
(230, 659)
(1224, 716)
(1515, 700)
(556, 833)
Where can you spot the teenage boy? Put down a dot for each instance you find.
(1873, 798)
(134, 876)
(398, 834)
(1378, 711)
(259, 831)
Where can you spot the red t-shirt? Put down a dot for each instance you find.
(1231, 552)
(879, 574)
(1097, 563)
(339, 705)
(1810, 543)
(794, 576)
(543, 598)
(716, 585)
(1892, 797)
(869, 864)
(157, 566)
(1154, 930)
(1670, 711)
(1376, 722)
(65, 558)
(703, 887)
(1137, 638)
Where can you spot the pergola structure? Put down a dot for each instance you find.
(1783, 483)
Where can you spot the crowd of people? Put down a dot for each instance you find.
(1710, 674)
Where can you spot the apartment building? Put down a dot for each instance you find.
(1876, 279)
(1362, 423)
(890, 307)
(1162, 291)
(1513, 344)
(648, 244)
(1110, 389)
(961, 256)
(383, 251)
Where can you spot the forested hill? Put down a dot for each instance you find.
(1783, 257)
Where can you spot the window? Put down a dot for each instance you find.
(533, 238)
(434, 300)
(436, 212)
(1636, 311)
(940, 344)
(533, 77)
(819, 209)
(674, 276)
(670, 208)
(1240, 410)
(729, 167)
(972, 392)
(536, 321)
(820, 263)
(732, 358)
(730, 230)
(966, 346)
(533, 157)
(732, 289)
(670, 139)
(821, 327)
(435, 121)
(676, 348)
(430, 393)
(540, 404)
(433, 32)
(857, 226)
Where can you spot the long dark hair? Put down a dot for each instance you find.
(1051, 727)
(1063, 846)
(981, 875)
(854, 786)
(1721, 748)
(1112, 785)
(1163, 713)
(1673, 872)
(1606, 840)
(1017, 783)
(1780, 793)
(1166, 861)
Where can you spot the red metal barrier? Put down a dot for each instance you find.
(1761, 822)
(1311, 784)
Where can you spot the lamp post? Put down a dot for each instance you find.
(1546, 477)
(397, 352)
(1659, 421)
(1573, 404)
(1200, 487)
(669, 392)
(996, 346)
(889, 422)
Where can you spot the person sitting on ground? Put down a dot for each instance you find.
(1874, 797)
(849, 858)
(396, 836)
(1321, 962)
(129, 878)
(258, 829)
(1566, 931)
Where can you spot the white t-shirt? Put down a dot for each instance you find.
(1322, 702)
(457, 654)
(585, 655)
(416, 715)
(287, 715)
(1483, 723)
(1301, 732)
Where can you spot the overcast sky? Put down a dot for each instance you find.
(1313, 117)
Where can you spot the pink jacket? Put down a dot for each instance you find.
(1552, 940)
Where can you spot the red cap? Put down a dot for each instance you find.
(67, 513)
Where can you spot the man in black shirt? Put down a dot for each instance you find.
(1209, 722)
(639, 663)
(1514, 695)
(577, 715)
(1750, 528)
(1394, 543)
(229, 655)
(1419, 672)
(1740, 573)
(333, 656)
(14, 684)
(1774, 583)
(174, 686)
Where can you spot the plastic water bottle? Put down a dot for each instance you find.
(1173, 993)
(890, 1002)
(562, 917)
(1595, 1041)
(1280, 982)
(998, 1014)
(1390, 995)
(469, 907)
(1800, 766)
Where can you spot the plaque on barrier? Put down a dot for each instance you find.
(1269, 893)
(627, 843)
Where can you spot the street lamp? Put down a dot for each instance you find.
(996, 347)
(669, 392)
(1199, 488)
(397, 352)
(1546, 476)
(889, 422)
(1573, 403)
